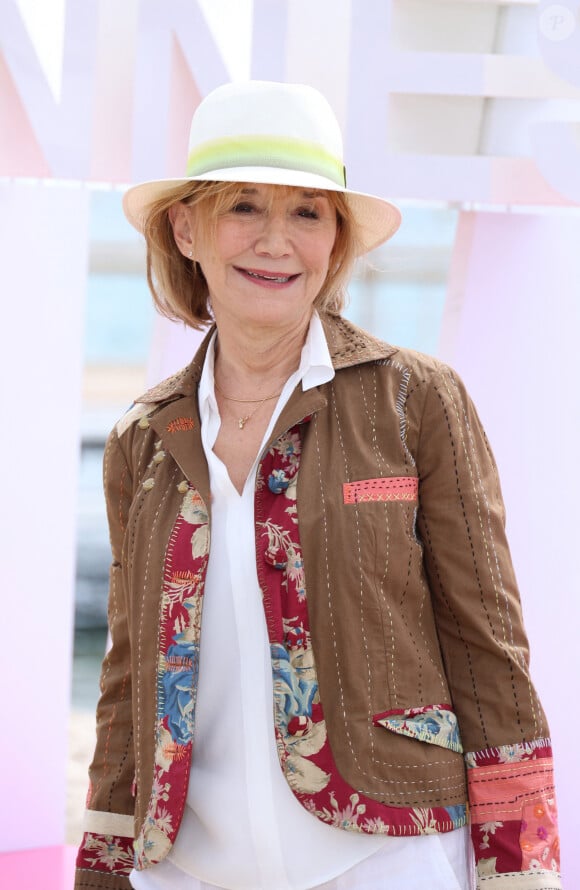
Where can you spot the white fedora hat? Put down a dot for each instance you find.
(275, 133)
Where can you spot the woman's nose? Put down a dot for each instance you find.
(274, 239)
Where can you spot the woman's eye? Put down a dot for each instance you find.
(308, 213)
(243, 207)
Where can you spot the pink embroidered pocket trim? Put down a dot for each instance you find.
(390, 488)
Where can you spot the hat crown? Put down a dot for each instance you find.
(268, 110)
(272, 134)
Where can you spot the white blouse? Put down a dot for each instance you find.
(242, 828)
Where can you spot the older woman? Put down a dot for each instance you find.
(355, 692)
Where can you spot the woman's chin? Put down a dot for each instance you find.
(271, 314)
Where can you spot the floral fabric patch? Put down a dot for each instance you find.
(513, 809)
(539, 838)
(434, 724)
(184, 572)
(106, 853)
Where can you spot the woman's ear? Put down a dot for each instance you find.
(180, 217)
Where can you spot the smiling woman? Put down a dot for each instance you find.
(180, 290)
(265, 260)
(318, 667)
(273, 242)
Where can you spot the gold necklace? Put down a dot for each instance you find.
(242, 421)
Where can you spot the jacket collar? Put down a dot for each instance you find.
(348, 345)
(174, 411)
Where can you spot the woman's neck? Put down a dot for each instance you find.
(251, 366)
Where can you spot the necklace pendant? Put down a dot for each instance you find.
(242, 421)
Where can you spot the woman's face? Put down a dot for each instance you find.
(270, 256)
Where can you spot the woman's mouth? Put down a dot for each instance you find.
(270, 279)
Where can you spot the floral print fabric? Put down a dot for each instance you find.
(434, 724)
(185, 564)
(106, 853)
(513, 809)
(301, 737)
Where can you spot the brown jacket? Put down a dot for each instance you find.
(412, 600)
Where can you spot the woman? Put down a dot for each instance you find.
(362, 691)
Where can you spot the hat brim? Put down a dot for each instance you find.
(376, 219)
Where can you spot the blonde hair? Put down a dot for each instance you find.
(177, 283)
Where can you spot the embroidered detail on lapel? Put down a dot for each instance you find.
(390, 488)
(180, 625)
(181, 425)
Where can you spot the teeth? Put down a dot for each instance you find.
(279, 279)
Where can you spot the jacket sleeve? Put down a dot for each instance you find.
(105, 857)
(479, 621)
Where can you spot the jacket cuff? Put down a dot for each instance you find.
(514, 823)
(91, 880)
(106, 856)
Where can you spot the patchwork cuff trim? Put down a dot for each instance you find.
(514, 820)
(106, 853)
(538, 879)
(516, 753)
(499, 792)
(99, 822)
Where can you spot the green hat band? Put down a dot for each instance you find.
(265, 151)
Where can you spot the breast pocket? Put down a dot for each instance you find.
(381, 490)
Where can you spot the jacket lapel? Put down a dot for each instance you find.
(177, 425)
(299, 406)
(177, 422)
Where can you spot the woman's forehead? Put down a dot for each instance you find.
(265, 189)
